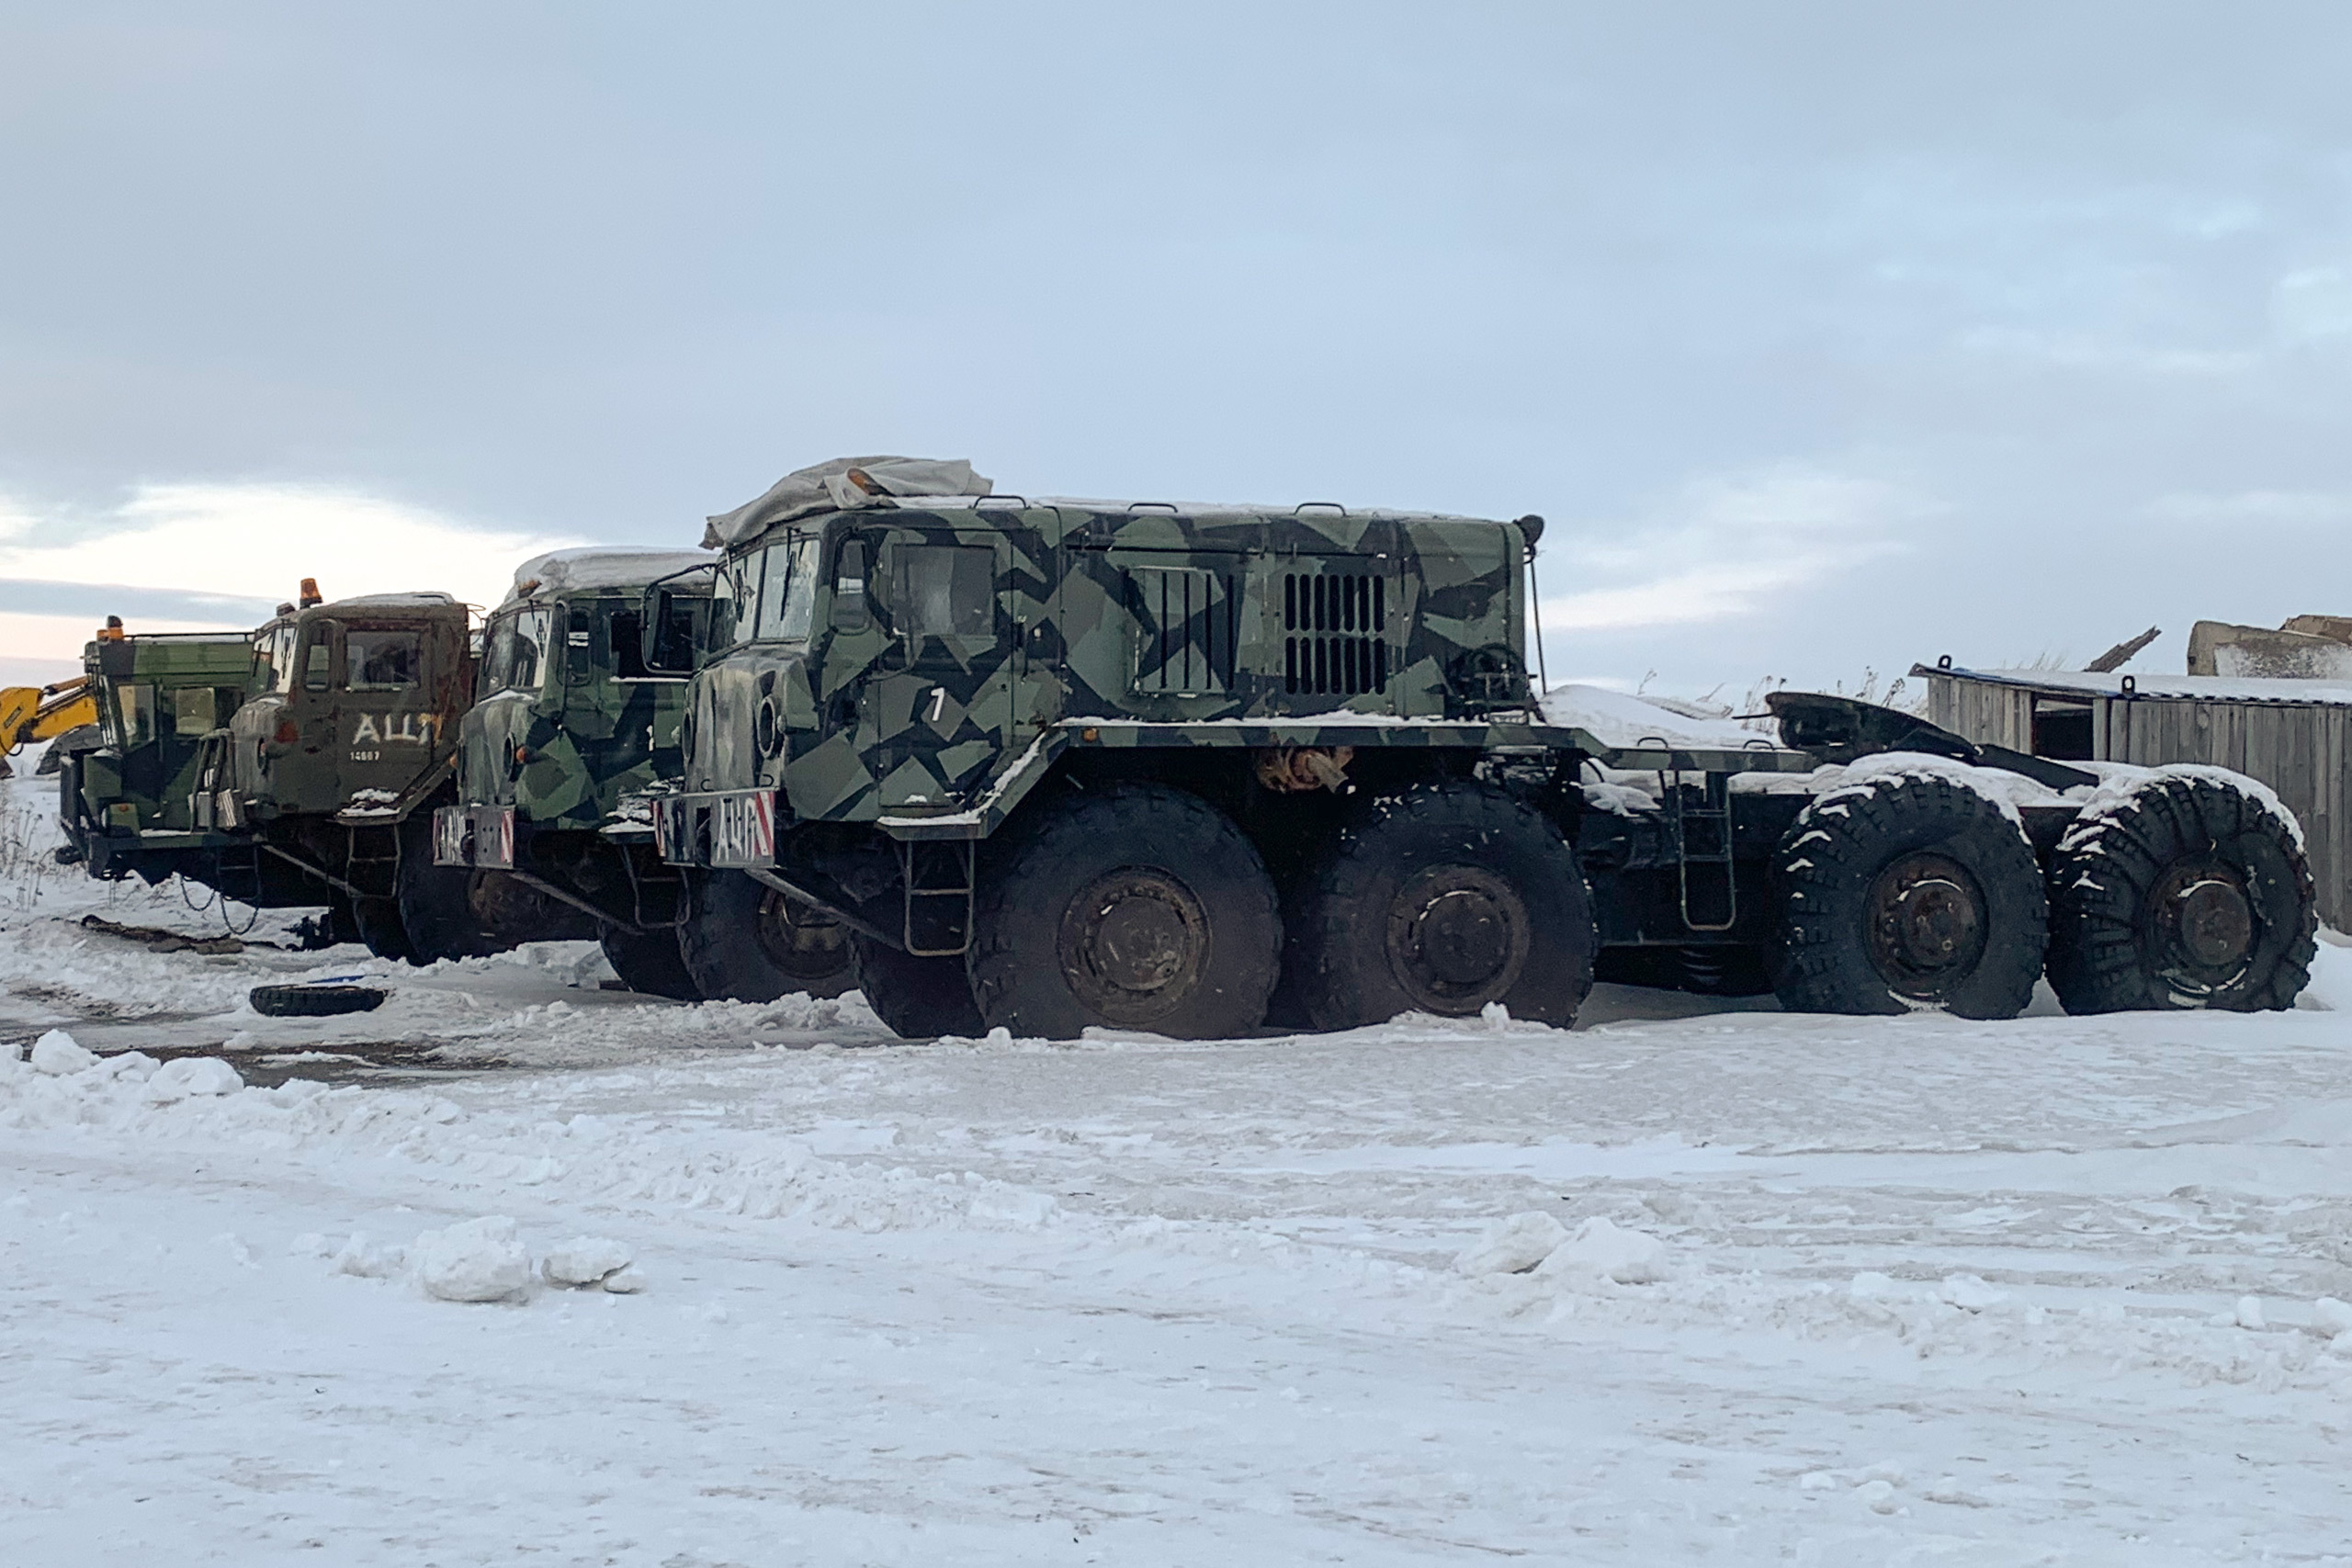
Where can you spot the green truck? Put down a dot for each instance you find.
(124, 802)
(1203, 769)
(584, 674)
(318, 788)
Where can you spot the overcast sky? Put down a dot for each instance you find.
(1829, 338)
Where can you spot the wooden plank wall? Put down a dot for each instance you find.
(1979, 710)
(2299, 749)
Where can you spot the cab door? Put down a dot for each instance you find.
(937, 707)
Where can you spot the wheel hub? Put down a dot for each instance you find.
(2204, 924)
(1134, 942)
(1926, 924)
(798, 941)
(1458, 937)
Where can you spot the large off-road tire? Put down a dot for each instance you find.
(1905, 893)
(649, 962)
(1442, 899)
(380, 929)
(437, 902)
(742, 941)
(2190, 893)
(1137, 906)
(920, 999)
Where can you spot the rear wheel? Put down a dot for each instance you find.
(745, 942)
(1442, 899)
(1912, 893)
(437, 902)
(2192, 893)
(920, 999)
(378, 925)
(648, 962)
(1139, 906)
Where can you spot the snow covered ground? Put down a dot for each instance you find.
(1812, 1290)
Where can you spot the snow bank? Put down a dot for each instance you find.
(593, 1159)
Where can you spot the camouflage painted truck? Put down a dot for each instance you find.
(320, 789)
(1061, 765)
(123, 797)
(583, 682)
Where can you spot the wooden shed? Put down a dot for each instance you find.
(2295, 736)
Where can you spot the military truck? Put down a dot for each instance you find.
(1191, 769)
(582, 694)
(123, 801)
(319, 788)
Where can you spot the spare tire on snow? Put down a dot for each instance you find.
(320, 999)
(2186, 890)
(1906, 892)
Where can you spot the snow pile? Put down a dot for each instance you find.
(1536, 1243)
(1512, 1246)
(1602, 1249)
(587, 1260)
(478, 1261)
(58, 1053)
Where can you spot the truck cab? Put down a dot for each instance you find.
(124, 805)
(354, 714)
(584, 672)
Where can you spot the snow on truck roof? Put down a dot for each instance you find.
(2192, 688)
(1623, 721)
(590, 567)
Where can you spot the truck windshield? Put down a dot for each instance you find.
(517, 658)
(788, 593)
(277, 650)
(382, 660)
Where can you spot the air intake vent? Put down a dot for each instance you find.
(1185, 628)
(1335, 634)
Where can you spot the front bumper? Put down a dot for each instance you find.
(728, 830)
(474, 835)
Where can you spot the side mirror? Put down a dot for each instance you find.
(850, 610)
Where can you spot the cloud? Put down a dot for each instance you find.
(246, 543)
(2258, 508)
(1723, 547)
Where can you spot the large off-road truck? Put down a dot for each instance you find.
(583, 681)
(318, 790)
(1192, 769)
(123, 800)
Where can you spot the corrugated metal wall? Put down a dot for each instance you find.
(2299, 749)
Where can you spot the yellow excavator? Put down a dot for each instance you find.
(43, 713)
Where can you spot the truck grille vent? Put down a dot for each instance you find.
(1335, 634)
(1188, 633)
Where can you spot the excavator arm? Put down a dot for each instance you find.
(44, 713)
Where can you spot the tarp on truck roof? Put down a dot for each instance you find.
(587, 568)
(844, 484)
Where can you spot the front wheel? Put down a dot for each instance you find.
(745, 942)
(1446, 899)
(648, 962)
(1137, 906)
(920, 999)
(2187, 892)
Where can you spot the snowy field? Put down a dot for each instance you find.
(1806, 1291)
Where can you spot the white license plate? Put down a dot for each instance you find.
(743, 830)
